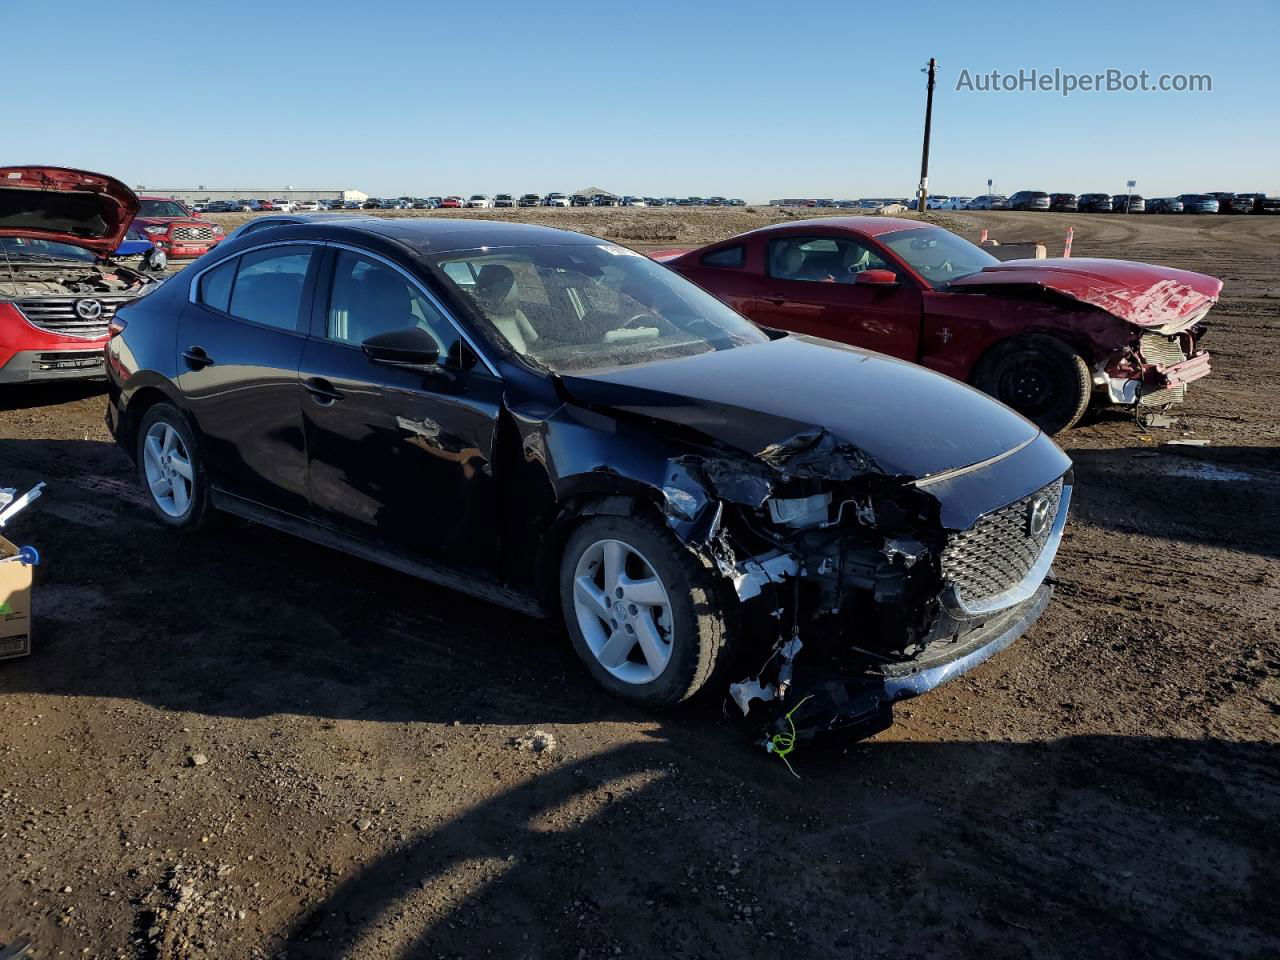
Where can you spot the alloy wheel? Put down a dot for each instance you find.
(167, 464)
(623, 610)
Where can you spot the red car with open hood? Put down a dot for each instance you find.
(1046, 337)
(59, 287)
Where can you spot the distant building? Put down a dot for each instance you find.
(203, 195)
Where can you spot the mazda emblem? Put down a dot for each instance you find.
(1037, 516)
(88, 309)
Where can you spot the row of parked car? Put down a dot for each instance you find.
(1220, 202)
(454, 201)
(485, 201)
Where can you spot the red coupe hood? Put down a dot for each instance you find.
(1141, 293)
(84, 209)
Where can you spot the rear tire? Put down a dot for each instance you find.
(170, 469)
(645, 616)
(1041, 377)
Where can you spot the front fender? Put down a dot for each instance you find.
(959, 329)
(556, 459)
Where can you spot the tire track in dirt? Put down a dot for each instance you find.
(55, 468)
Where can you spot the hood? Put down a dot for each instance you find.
(76, 207)
(1140, 293)
(799, 399)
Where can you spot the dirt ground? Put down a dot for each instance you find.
(241, 745)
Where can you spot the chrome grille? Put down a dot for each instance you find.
(193, 233)
(997, 552)
(58, 315)
(1164, 351)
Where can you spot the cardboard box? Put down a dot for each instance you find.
(15, 603)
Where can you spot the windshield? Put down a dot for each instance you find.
(25, 248)
(938, 255)
(581, 307)
(161, 208)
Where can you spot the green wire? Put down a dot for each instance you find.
(783, 743)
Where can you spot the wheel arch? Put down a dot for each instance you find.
(621, 499)
(1078, 344)
(140, 401)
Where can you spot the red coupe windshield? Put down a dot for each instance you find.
(938, 255)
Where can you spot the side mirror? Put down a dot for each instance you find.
(877, 278)
(410, 347)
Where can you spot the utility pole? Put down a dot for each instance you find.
(928, 125)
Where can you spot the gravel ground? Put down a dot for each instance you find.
(241, 745)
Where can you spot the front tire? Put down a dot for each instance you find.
(1041, 377)
(170, 469)
(645, 616)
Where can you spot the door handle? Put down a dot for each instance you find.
(776, 299)
(321, 390)
(196, 358)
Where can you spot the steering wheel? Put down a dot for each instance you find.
(647, 319)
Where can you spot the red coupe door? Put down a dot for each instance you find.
(808, 286)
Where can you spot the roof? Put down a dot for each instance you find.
(867, 226)
(431, 235)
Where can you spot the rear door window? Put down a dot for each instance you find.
(215, 286)
(269, 285)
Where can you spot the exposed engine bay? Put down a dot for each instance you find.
(850, 582)
(24, 278)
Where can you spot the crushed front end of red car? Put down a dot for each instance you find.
(1155, 371)
(1162, 310)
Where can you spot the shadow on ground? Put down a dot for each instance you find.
(1081, 847)
(1227, 497)
(253, 622)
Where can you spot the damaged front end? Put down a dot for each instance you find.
(1150, 349)
(860, 588)
(1154, 368)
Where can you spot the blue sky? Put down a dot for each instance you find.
(755, 100)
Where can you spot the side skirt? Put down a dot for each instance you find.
(432, 573)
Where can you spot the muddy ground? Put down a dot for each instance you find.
(241, 745)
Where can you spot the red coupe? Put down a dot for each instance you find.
(1046, 337)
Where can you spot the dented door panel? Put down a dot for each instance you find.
(403, 457)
